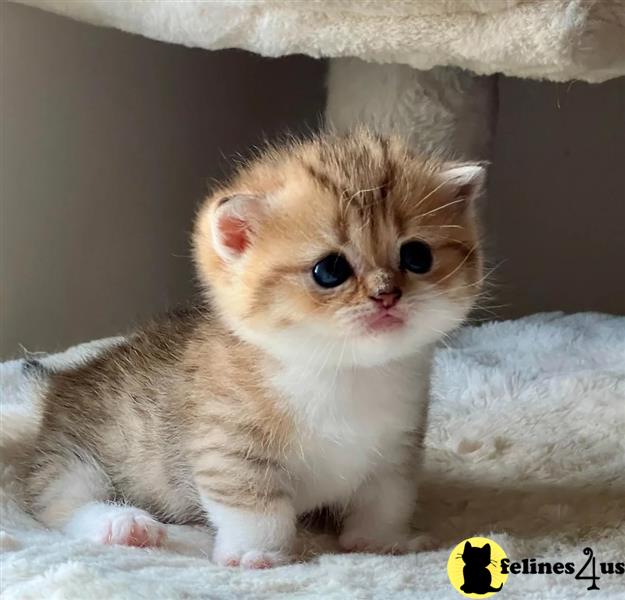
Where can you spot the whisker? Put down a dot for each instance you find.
(464, 260)
(442, 226)
(422, 200)
(434, 210)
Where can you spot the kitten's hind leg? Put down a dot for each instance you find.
(109, 523)
(74, 495)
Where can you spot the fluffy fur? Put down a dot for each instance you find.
(279, 396)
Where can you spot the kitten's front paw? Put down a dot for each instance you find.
(356, 541)
(252, 559)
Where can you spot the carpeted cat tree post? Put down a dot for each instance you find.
(442, 110)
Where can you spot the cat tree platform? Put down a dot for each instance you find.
(402, 65)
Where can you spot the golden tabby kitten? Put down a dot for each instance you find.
(330, 267)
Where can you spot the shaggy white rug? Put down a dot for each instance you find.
(526, 446)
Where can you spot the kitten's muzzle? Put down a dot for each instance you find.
(387, 300)
(384, 318)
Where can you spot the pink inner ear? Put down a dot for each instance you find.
(465, 191)
(234, 233)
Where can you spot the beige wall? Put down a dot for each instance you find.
(108, 139)
(556, 207)
(107, 143)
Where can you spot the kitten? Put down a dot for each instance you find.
(330, 267)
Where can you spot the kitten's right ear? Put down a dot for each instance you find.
(467, 546)
(463, 181)
(234, 222)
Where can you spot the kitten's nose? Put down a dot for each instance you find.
(387, 299)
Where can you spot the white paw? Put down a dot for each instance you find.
(134, 527)
(114, 524)
(357, 541)
(252, 559)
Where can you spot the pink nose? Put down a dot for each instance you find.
(389, 299)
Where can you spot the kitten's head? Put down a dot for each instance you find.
(347, 250)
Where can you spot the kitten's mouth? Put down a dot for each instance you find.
(384, 321)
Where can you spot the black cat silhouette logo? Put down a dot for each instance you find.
(474, 567)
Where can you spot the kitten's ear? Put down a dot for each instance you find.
(486, 549)
(235, 220)
(462, 181)
(467, 546)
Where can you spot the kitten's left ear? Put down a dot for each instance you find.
(235, 221)
(462, 181)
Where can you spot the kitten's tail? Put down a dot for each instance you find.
(492, 589)
(22, 387)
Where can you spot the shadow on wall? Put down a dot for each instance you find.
(108, 142)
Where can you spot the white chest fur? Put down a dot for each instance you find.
(349, 423)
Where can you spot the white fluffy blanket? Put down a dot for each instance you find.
(551, 39)
(526, 445)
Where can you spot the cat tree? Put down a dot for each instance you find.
(408, 66)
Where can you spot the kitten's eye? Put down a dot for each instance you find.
(332, 271)
(416, 257)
